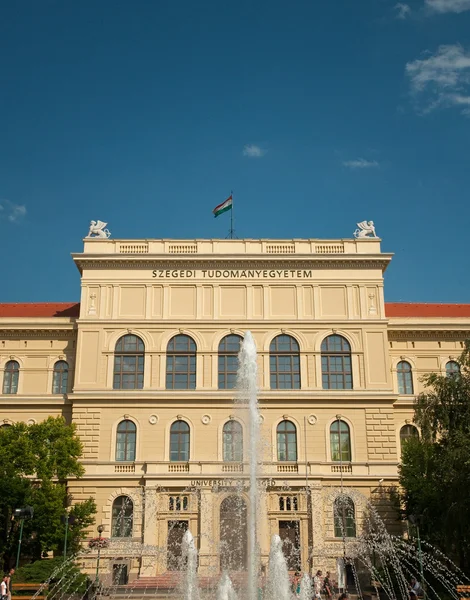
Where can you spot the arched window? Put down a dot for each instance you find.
(336, 363)
(344, 517)
(452, 369)
(10, 377)
(181, 363)
(407, 432)
(233, 534)
(233, 441)
(340, 442)
(284, 363)
(60, 377)
(286, 441)
(229, 348)
(405, 378)
(125, 441)
(129, 357)
(179, 442)
(122, 517)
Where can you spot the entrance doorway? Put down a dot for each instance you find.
(233, 534)
(289, 532)
(120, 575)
(174, 549)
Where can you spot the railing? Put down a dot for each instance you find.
(292, 468)
(329, 248)
(199, 470)
(232, 468)
(178, 468)
(341, 468)
(231, 247)
(280, 249)
(182, 249)
(124, 468)
(134, 248)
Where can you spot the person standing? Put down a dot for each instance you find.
(11, 572)
(296, 583)
(327, 586)
(317, 585)
(3, 588)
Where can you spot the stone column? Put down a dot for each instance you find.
(207, 535)
(318, 534)
(149, 537)
(264, 537)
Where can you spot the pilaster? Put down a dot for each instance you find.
(207, 551)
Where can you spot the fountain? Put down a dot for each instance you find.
(306, 592)
(190, 587)
(277, 584)
(248, 400)
(225, 589)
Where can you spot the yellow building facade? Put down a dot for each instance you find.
(145, 366)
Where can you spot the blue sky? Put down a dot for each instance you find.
(317, 114)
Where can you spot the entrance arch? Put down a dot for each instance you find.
(233, 534)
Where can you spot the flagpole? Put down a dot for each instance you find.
(231, 217)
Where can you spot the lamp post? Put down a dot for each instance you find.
(100, 531)
(342, 516)
(68, 520)
(22, 513)
(414, 520)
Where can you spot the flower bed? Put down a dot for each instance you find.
(98, 542)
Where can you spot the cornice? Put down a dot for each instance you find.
(214, 397)
(426, 334)
(166, 324)
(177, 480)
(408, 402)
(24, 401)
(32, 331)
(360, 261)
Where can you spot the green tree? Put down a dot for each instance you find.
(64, 579)
(35, 462)
(435, 469)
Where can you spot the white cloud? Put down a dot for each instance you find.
(360, 163)
(444, 6)
(402, 10)
(441, 79)
(253, 151)
(11, 211)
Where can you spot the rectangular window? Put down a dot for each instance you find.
(228, 367)
(345, 524)
(120, 575)
(285, 372)
(345, 455)
(10, 382)
(405, 383)
(336, 373)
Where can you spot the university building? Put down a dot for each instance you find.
(145, 365)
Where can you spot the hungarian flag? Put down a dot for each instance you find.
(224, 207)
